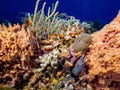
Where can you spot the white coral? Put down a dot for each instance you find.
(48, 59)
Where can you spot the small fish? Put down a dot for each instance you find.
(78, 66)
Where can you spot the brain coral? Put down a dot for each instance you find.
(103, 58)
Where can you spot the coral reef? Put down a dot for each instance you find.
(17, 43)
(103, 58)
(18, 48)
(38, 54)
(54, 52)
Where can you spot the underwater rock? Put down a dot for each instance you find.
(103, 57)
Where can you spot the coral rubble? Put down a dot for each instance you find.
(103, 58)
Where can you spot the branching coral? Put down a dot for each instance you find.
(44, 25)
(52, 23)
(49, 59)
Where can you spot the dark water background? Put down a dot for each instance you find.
(85, 10)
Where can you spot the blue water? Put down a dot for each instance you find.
(85, 10)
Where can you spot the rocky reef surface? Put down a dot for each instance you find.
(103, 57)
